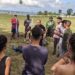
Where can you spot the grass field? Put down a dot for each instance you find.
(17, 60)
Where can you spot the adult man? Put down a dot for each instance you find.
(39, 24)
(34, 55)
(64, 68)
(57, 33)
(66, 36)
(50, 26)
(27, 23)
(15, 26)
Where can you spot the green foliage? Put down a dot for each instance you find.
(69, 12)
(60, 11)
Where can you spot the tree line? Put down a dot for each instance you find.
(69, 12)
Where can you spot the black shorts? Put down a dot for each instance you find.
(13, 31)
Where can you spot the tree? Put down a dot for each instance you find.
(69, 11)
(60, 11)
(40, 13)
(45, 12)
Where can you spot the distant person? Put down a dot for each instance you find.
(5, 61)
(39, 24)
(27, 24)
(64, 68)
(57, 34)
(15, 26)
(35, 56)
(50, 26)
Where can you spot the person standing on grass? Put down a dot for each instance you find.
(35, 56)
(66, 68)
(5, 61)
(15, 27)
(39, 24)
(50, 26)
(27, 23)
(57, 34)
(66, 36)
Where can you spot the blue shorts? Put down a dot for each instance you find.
(13, 31)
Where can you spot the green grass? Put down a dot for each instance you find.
(17, 60)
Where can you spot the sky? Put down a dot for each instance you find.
(37, 5)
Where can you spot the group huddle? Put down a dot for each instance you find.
(35, 54)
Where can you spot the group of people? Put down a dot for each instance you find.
(15, 26)
(36, 54)
(61, 35)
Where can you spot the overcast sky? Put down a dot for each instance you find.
(37, 5)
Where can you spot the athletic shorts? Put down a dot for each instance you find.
(13, 30)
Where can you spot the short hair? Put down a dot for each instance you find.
(28, 16)
(3, 41)
(15, 15)
(64, 21)
(59, 18)
(36, 32)
(69, 21)
(72, 44)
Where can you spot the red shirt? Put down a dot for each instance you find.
(14, 23)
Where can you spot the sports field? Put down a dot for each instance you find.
(17, 60)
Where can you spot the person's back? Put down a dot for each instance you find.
(35, 58)
(68, 69)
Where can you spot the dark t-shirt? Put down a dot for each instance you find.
(2, 65)
(66, 37)
(35, 58)
(27, 22)
(42, 27)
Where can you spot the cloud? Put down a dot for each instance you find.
(9, 1)
(32, 3)
(38, 3)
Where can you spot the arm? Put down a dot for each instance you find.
(17, 49)
(46, 58)
(58, 71)
(25, 23)
(57, 33)
(8, 66)
(60, 62)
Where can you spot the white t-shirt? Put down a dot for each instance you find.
(60, 29)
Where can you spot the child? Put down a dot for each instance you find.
(5, 61)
